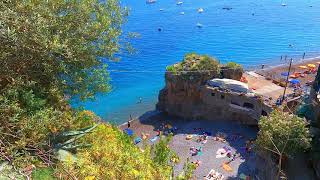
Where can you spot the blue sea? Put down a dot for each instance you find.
(253, 32)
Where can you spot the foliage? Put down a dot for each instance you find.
(288, 133)
(113, 156)
(57, 44)
(234, 65)
(43, 173)
(195, 65)
(162, 152)
(50, 51)
(28, 123)
(188, 169)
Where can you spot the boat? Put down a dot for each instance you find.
(199, 25)
(160, 9)
(200, 10)
(151, 1)
(179, 2)
(283, 3)
(182, 13)
(227, 8)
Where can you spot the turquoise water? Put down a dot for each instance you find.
(230, 35)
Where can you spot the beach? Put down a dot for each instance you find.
(236, 137)
(274, 72)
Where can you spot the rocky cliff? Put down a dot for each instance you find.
(186, 95)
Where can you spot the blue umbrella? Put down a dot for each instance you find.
(285, 74)
(128, 131)
(294, 81)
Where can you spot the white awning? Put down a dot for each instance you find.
(230, 84)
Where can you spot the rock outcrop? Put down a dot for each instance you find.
(231, 73)
(188, 96)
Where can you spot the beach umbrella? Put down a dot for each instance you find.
(294, 81)
(303, 67)
(285, 74)
(311, 65)
(128, 131)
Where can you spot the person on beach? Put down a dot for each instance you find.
(128, 123)
(158, 132)
(130, 119)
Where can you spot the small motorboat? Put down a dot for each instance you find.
(151, 1)
(200, 10)
(182, 13)
(161, 9)
(179, 2)
(227, 8)
(283, 4)
(199, 25)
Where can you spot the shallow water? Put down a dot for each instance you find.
(251, 33)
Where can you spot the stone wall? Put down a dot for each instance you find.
(191, 99)
(231, 73)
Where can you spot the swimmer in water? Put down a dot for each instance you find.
(140, 100)
(159, 29)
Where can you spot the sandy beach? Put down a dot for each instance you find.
(244, 163)
(274, 72)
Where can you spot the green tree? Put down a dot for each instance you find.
(283, 134)
(234, 65)
(58, 44)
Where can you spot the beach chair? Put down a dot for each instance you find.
(214, 175)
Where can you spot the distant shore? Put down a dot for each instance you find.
(274, 72)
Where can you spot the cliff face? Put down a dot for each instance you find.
(193, 99)
(181, 96)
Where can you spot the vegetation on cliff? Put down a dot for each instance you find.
(233, 65)
(50, 51)
(193, 65)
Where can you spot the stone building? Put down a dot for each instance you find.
(192, 99)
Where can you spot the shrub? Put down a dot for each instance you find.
(285, 132)
(233, 65)
(194, 66)
(112, 155)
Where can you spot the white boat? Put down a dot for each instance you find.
(199, 25)
(200, 10)
(182, 13)
(160, 9)
(179, 2)
(283, 4)
(151, 1)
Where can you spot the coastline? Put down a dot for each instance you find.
(274, 70)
